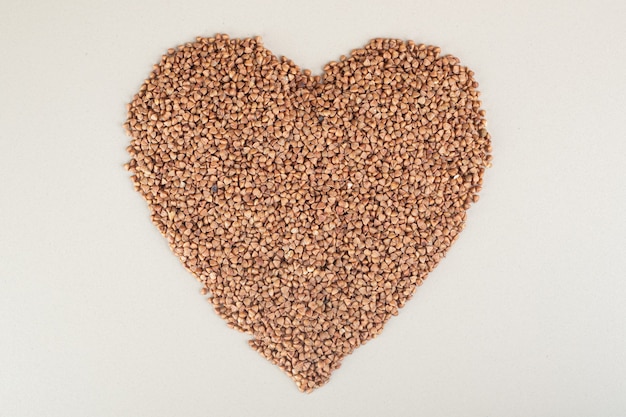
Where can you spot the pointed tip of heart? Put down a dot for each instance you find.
(307, 374)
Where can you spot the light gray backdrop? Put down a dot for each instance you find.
(525, 317)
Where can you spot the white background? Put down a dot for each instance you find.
(525, 317)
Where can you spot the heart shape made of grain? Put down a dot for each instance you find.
(309, 207)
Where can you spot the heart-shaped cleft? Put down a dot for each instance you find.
(309, 207)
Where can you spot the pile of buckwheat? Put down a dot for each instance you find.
(310, 208)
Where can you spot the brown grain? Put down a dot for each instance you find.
(310, 208)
